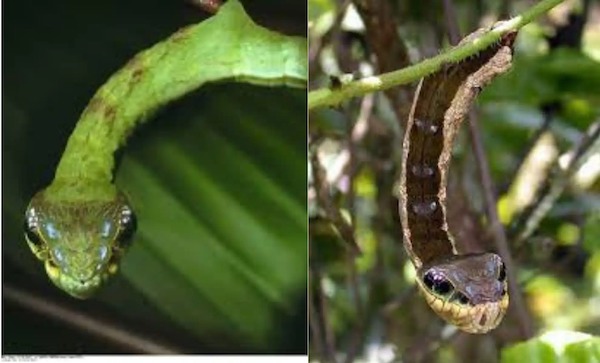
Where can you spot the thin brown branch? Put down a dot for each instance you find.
(314, 323)
(500, 240)
(427, 344)
(505, 6)
(322, 189)
(398, 301)
(451, 19)
(529, 220)
(104, 329)
(548, 113)
(355, 134)
(316, 45)
(358, 332)
(365, 309)
(389, 49)
(322, 313)
(316, 337)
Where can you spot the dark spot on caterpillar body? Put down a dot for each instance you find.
(96, 105)
(137, 68)
(137, 75)
(422, 170)
(424, 208)
(134, 62)
(109, 112)
(427, 127)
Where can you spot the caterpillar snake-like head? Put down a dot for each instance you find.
(469, 291)
(80, 243)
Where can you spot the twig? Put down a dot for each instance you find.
(316, 334)
(505, 7)
(322, 189)
(348, 158)
(487, 184)
(365, 309)
(356, 339)
(548, 112)
(531, 217)
(500, 239)
(322, 313)
(451, 22)
(355, 133)
(316, 45)
(104, 329)
(330, 97)
(568, 35)
(427, 344)
(388, 47)
(397, 302)
(360, 321)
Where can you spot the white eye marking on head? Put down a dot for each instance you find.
(103, 253)
(58, 255)
(51, 231)
(32, 218)
(106, 229)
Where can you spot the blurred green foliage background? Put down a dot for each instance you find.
(218, 181)
(533, 120)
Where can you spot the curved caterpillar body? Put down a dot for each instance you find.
(468, 290)
(80, 225)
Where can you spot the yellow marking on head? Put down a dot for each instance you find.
(52, 270)
(113, 268)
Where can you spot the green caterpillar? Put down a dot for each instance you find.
(81, 224)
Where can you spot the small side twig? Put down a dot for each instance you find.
(549, 112)
(316, 334)
(105, 329)
(316, 324)
(428, 343)
(388, 47)
(355, 134)
(316, 45)
(500, 239)
(321, 315)
(531, 217)
(322, 189)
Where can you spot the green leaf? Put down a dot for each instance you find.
(215, 218)
(555, 346)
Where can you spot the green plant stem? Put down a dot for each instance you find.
(330, 97)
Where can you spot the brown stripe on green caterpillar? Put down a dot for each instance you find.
(467, 290)
(81, 224)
